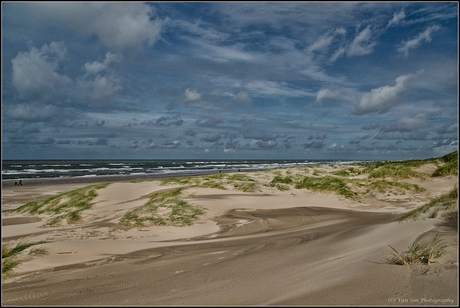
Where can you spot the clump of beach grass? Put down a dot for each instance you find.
(341, 173)
(445, 202)
(395, 172)
(281, 183)
(384, 186)
(327, 183)
(66, 206)
(177, 180)
(282, 187)
(417, 252)
(451, 166)
(212, 184)
(239, 177)
(279, 179)
(246, 187)
(10, 255)
(163, 208)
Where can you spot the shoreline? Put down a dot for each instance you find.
(107, 178)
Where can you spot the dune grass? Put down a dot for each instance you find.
(65, 206)
(404, 169)
(341, 173)
(425, 253)
(384, 186)
(164, 208)
(445, 202)
(395, 172)
(279, 179)
(187, 180)
(9, 255)
(451, 166)
(246, 187)
(327, 183)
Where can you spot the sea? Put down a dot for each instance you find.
(81, 169)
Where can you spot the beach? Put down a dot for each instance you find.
(269, 245)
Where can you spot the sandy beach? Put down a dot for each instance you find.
(270, 246)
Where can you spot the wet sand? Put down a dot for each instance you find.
(271, 247)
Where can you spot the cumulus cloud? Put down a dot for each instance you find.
(335, 147)
(326, 94)
(243, 98)
(448, 128)
(35, 72)
(380, 100)
(119, 26)
(322, 95)
(397, 17)
(99, 82)
(32, 113)
(407, 124)
(192, 95)
(362, 43)
(96, 66)
(417, 41)
(101, 89)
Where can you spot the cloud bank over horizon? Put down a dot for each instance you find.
(187, 80)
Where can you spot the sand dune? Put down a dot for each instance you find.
(268, 247)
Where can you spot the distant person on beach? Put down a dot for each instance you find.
(20, 182)
(15, 183)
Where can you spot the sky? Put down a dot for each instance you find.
(229, 80)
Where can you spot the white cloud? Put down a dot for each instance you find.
(322, 43)
(326, 94)
(448, 128)
(408, 124)
(267, 88)
(101, 88)
(380, 100)
(34, 72)
(119, 26)
(192, 95)
(322, 95)
(362, 44)
(96, 66)
(221, 54)
(338, 53)
(203, 29)
(397, 18)
(32, 113)
(104, 84)
(243, 98)
(335, 147)
(417, 41)
(325, 41)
